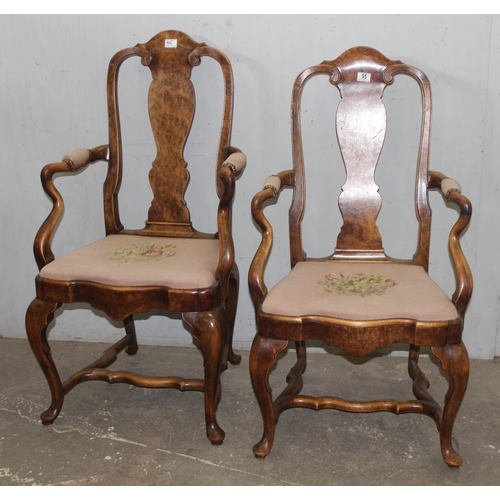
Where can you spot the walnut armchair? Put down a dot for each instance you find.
(166, 265)
(360, 299)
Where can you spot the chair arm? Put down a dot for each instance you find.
(236, 162)
(453, 193)
(271, 189)
(74, 162)
(232, 168)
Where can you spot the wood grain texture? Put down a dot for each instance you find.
(209, 311)
(360, 74)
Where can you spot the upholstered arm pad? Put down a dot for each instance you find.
(273, 182)
(236, 162)
(448, 185)
(77, 159)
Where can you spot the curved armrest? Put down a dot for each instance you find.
(232, 168)
(75, 162)
(452, 192)
(271, 189)
(236, 162)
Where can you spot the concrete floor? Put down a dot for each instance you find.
(123, 435)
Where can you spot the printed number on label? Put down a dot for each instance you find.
(364, 77)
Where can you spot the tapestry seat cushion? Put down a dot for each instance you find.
(130, 260)
(359, 291)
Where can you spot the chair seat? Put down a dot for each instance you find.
(359, 292)
(131, 260)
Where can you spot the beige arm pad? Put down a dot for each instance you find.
(273, 182)
(448, 185)
(77, 158)
(236, 162)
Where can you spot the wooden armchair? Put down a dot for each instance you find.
(358, 298)
(166, 265)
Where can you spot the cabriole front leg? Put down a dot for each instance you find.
(208, 329)
(262, 356)
(40, 313)
(455, 361)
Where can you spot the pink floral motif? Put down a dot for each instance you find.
(142, 252)
(152, 253)
(358, 284)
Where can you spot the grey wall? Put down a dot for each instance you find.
(53, 71)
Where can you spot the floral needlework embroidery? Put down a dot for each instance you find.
(142, 252)
(359, 284)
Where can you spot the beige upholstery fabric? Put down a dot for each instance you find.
(77, 158)
(236, 162)
(273, 182)
(448, 185)
(399, 291)
(128, 260)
